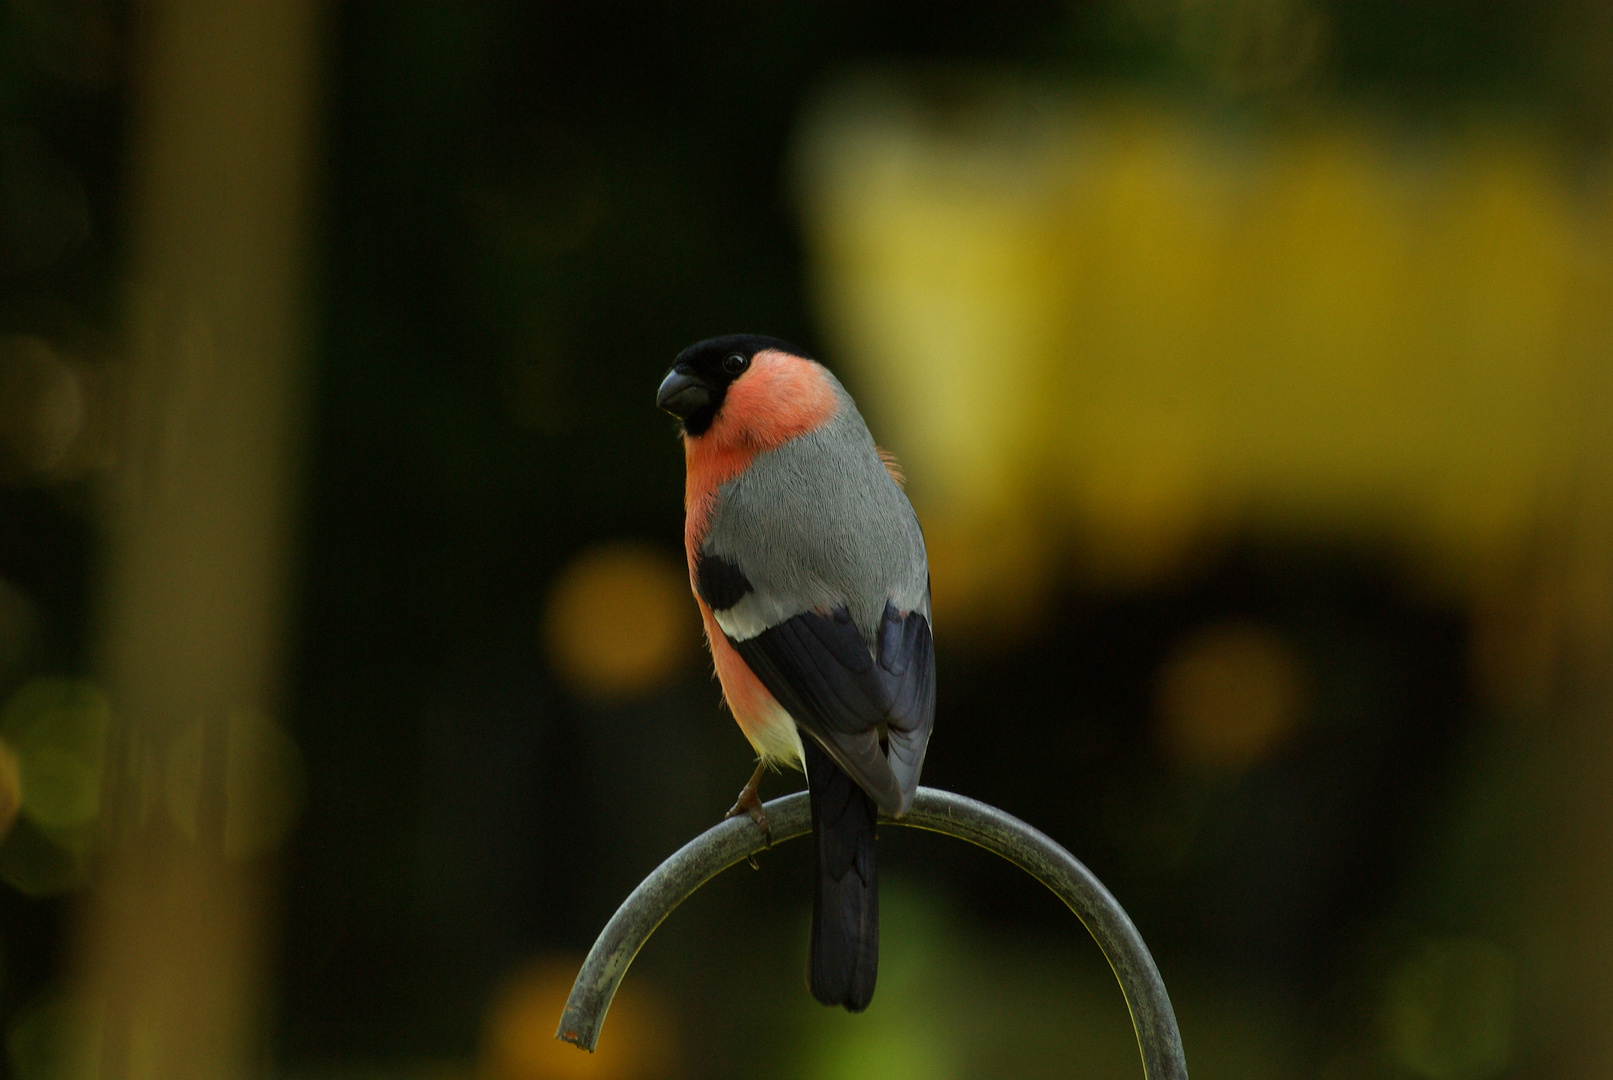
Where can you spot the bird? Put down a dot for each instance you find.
(808, 565)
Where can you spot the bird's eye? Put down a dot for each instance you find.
(734, 363)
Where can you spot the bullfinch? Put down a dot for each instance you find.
(808, 566)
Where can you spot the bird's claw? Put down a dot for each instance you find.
(749, 802)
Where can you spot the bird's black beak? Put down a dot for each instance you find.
(682, 394)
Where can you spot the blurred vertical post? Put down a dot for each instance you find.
(196, 548)
(1573, 605)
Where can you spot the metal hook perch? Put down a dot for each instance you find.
(737, 839)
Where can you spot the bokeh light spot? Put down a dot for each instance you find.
(58, 729)
(63, 789)
(519, 1041)
(1229, 697)
(42, 409)
(1449, 1010)
(10, 788)
(620, 621)
(911, 1031)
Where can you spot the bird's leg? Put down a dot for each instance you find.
(751, 803)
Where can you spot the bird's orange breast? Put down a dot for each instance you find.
(764, 722)
(778, 399)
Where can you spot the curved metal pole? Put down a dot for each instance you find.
(737, 839)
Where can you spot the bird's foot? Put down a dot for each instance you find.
(749, 802)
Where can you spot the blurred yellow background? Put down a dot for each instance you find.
(1132, 331)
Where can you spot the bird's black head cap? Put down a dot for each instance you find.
(694, 389)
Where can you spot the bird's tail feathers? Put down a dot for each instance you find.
(845, 902)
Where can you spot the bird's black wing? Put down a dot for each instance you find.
(820, 669)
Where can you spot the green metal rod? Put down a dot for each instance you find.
(737, 839)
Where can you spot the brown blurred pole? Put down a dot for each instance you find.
(196, 545)
(1537, 810)
(1574, 910)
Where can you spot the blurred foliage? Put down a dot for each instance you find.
(1201, 328)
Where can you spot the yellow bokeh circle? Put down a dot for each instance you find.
(518, 1035)
(1229, 697)
(620, 621)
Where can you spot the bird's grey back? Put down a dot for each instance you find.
(819, 522)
